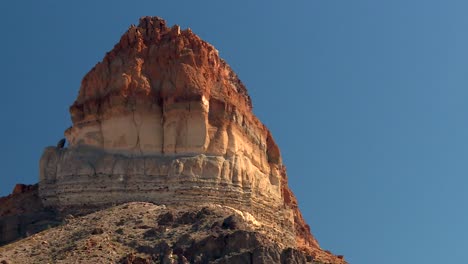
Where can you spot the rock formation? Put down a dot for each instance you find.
(22, 214)
(164, 119)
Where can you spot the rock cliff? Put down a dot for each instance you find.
(164, 119)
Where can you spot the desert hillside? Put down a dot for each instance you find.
(141, 232)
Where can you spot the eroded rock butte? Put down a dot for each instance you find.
(164, 119)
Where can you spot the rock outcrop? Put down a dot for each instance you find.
(22, 214)
(164, 119)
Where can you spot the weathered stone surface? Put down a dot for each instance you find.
(163, 119)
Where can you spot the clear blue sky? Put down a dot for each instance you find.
(366, 99)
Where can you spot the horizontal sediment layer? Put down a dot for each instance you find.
(81, 177)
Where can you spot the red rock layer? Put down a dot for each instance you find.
(154, 64)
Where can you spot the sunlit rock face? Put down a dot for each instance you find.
(163, 119)
(165, 91)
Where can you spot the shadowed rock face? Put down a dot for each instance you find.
(163, 119)
(22, 214)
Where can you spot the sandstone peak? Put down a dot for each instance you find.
(157, 62)
(163, 119)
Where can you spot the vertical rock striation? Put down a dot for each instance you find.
(164, 119)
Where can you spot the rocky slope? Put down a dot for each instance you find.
(148, 233)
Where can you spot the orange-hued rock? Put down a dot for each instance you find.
(175, 92)
(164, 119)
